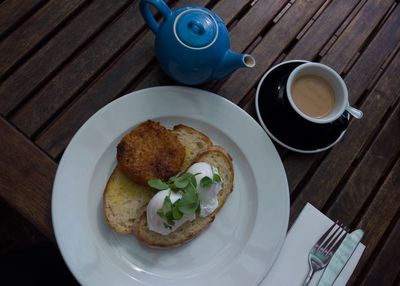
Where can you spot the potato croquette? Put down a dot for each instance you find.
(150, 151)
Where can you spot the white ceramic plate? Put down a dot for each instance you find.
(238, 248)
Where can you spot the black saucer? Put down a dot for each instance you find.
(281, 123)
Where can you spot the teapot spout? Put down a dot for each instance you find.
(232, 61)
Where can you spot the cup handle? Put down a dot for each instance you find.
(356, 113)
(148, 16)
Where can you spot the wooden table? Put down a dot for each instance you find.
(63, 60)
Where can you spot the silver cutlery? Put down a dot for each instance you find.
(323, 250)
(340, 258)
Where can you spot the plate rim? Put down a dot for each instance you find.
(266, 128)
(57, 231)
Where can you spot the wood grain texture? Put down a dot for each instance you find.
(228, 10)
(56, 52)
(26, 178)
(322, 29)
(12, 12)
(297, 167)
(326, 178)
(257, 18)
(386, 265)
(357, 80)
(106, 88)
(350, 18)
(131, 63)
(376, 219)
(352, 39)
(83, 69)
(72, 63)
(280, 35)
(33, 31)
(157, 77)
(376, 53)
(67, 83)
(379, 157)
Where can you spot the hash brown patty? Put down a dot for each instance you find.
(150, 151)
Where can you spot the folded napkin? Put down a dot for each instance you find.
(291, 266)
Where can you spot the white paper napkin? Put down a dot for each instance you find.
(291, 266)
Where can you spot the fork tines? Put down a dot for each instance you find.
(332, 238)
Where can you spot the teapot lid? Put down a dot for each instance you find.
(196, 28)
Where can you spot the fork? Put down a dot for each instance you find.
(323, 250)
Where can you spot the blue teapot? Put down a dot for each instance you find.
(192, 43)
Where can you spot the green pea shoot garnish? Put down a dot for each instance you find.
(189, 203)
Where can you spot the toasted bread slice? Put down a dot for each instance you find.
(124, 200)
(217, 157)
(194, 141)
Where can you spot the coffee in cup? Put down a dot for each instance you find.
(318, 94)
(313, 95)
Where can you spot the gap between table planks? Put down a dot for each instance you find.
(354, 68)
(14, 13)
(46, 137)
(90, 61)
(27, 182)
(60, 49)
(357, 80)
(377, 219)
(25, 40)
(123, 34)
(129, 65)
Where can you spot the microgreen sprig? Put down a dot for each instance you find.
(189, 203)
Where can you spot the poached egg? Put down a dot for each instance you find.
(208, 200)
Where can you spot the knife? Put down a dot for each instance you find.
(340, 258)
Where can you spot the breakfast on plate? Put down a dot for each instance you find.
(168, 184)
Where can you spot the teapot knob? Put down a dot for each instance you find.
(196, 27)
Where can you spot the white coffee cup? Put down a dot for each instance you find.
(335, 81)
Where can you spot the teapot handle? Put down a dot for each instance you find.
(148, 16)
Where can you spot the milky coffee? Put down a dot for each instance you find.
(313, 95)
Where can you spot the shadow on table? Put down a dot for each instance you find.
(38, 264)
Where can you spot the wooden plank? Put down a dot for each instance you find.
(228, 11)
(365, 177)
(381, 46)
(157, 77)
(386, 265)
(250, 26)
(282, 12)
(297, 165)
(15, 231)
(358, 79)
(55, 53)
(108, 86)
(356, 33)
(280, 35)
(324, 180)
(350, 18)
(82, 70)
(367, 66)
(375, 221)
(12, 12)
(322, 29)
(105, 89)
(26, 178)
(33, 31)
